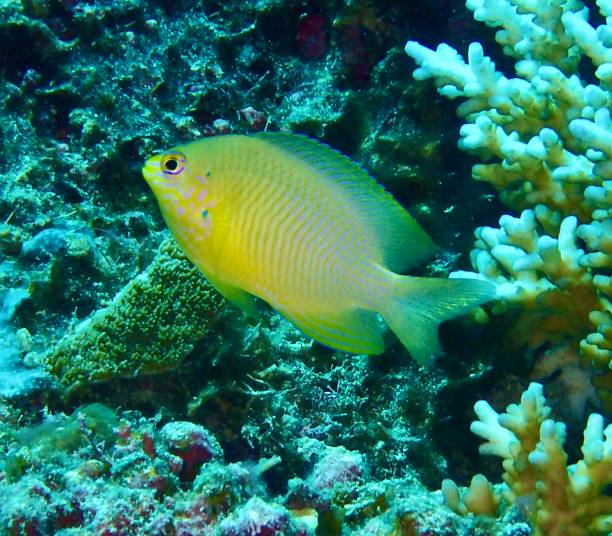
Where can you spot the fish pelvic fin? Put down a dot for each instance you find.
(418, 305)
(240, 298)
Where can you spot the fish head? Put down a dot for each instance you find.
(167, 172)
(180, 183)
(178, 175)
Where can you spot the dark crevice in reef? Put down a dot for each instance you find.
(25, 47)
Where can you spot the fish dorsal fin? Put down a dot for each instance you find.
(402, 241)
(356, 331)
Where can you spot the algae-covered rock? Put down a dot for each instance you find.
(149, 327)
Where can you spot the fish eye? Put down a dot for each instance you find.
(173, 163)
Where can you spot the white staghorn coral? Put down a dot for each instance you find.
(567, 499)
(546, 135)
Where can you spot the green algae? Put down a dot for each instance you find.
(149, 327)
(59, 435)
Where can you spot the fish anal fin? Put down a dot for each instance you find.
(356, 331)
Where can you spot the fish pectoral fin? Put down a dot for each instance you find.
(356, 331)
(242, 299)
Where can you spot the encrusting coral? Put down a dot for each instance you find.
(546, 135)
(563, 499)
(150, 326)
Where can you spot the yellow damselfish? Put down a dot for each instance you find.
(291, 221)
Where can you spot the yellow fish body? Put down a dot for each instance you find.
(292, 221)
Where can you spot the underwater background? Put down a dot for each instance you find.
(134, 400)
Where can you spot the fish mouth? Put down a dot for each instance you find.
(151, 169)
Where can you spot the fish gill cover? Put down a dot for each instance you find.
(134, 400)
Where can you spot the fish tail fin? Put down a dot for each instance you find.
(416, 306)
